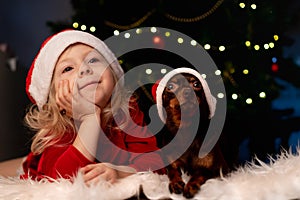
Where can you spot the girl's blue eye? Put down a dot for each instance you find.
(67, 69)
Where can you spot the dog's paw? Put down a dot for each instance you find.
(176, 187)
(191, 189)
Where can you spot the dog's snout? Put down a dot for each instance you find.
(187, 92)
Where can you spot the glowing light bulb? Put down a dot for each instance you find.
(253, 6)
(148, 71)
(249, 101)
(248, 43)
(180, 40)
(83, 27)
(116, 32)
(234, 96)
(242, 5)
(256, 47)
(75, 25)
(92, 28)
(127, 35)
(262, 95)
(193, 43)
(153, 29)
(206, 46)
(222, 48)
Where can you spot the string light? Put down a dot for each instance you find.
(220, 95)
(75, 25)
(222, 48)
(218, 72)
(197, 18)
(242, 5)
(245, 71)
(256, 47)
(127, 35)
(83, 27)
(266, 45)
(253, 6)
(138, 31)
(148, 71)
(153, 29)
(180, 40)
(248, 43)
(130, 26)
(92, 28)
(193, 43)
(116, 32)
(207, 46)
(163, 71)
(234, 96)
(249, 101)
(262, 95)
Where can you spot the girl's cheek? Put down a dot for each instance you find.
(58, 83)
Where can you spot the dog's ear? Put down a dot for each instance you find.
(167, 96)
(165, 99)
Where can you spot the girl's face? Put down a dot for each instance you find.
(83, 67)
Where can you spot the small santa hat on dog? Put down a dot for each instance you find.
(39, 76)
(159, 86)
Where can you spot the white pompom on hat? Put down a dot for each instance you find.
(40, 74)
(159, 86)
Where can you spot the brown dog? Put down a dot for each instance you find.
(183, 98)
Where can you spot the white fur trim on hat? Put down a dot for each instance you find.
(211, 100)
(40, 75)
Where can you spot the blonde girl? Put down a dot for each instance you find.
(83, 117)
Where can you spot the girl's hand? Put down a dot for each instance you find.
(63, 97)
(73, 103)
(94, 173)
(82, 107)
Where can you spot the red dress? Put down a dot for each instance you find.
(122, 148)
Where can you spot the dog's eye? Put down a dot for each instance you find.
(171, 87)
(197, 85)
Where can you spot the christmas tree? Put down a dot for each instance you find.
(244, 38)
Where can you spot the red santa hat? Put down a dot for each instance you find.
(39, 77)
(159, 86)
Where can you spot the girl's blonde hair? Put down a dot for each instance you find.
(51, 126)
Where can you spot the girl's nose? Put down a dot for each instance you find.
(85, 70)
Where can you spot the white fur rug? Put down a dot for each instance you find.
(278, 180)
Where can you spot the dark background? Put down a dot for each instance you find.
(22, 29)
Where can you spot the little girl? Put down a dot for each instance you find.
(83, 117)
